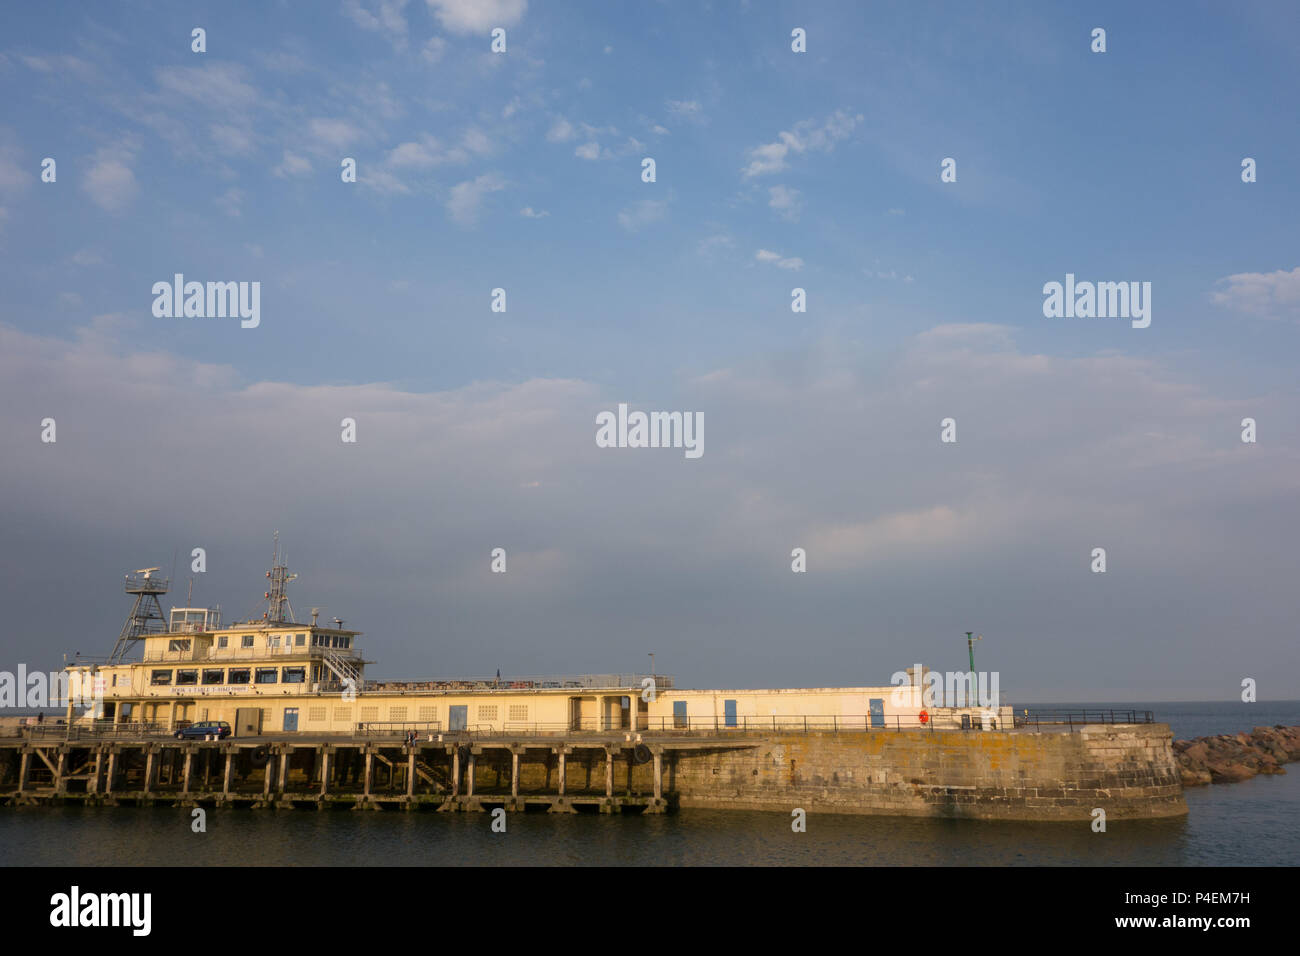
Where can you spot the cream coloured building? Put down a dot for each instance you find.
(275, 677)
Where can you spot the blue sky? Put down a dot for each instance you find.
(774, 170)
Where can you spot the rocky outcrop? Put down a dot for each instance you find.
(1229, 758)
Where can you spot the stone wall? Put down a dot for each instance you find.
(1126, 769)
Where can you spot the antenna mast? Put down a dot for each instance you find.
(277, 598)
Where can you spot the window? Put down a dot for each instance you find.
(248, 640)
(301, 640)
(179, 644)
(294, 675)
(343, 713)
(680, 720)
(238, 675)
(345, 642)
(222, 641)
(369, 713)
(160, 677)
(273, 641)
(428, 713)
(518, 711)
(214, 676)
(187, 677)
(265, 675)
(316, 715)
(487, 711)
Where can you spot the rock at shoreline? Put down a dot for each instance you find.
(1229, 758)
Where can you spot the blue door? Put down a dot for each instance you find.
(729, 712)
(679, 715)
(457, 716)
(291, 718)
(877, 705)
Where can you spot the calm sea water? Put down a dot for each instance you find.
(1250, 823)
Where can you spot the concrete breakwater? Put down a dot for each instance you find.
(1229, 758)
(1022, 774)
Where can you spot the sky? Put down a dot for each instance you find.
(774, 170)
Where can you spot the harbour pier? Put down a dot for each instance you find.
(605, 773)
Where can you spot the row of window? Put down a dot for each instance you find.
(236, 675)
(272, 641)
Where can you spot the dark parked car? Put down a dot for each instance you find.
(210, 728)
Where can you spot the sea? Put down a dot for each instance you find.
(1253, 823)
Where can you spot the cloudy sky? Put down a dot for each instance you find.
(522, 170)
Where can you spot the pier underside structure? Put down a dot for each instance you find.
(607, 774)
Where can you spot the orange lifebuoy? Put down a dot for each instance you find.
(924, 717)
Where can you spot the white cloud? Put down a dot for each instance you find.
(383, 181)
(477, 16)
(86, 257)
(588, 151)
(463, 204)
(434, 50)
(529, 213)
(1265, 294)
(333, 133)
(806, 135)
(707, 246)
(12, 175)
(776, 259)
(292, 165)
(214, 85)
(686, 109)
(642, 213)
(786, 202)
(561, 131)
(424, 154)
(231, 139)
(383, 16)
(231, 201)
(60, 64)
(476, 141)
(109, 181)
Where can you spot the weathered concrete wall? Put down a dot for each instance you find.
(1127, 769)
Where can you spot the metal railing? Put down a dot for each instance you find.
(1079, 718)
(398, 728)
(977, 721)
(95, 730)
(710, 725)
(569, 682)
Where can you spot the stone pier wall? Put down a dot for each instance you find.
(1126, 769)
